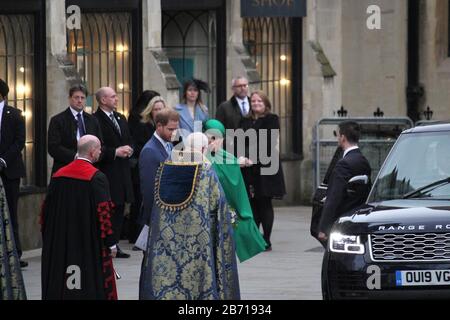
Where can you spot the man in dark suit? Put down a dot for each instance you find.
(67, 127)
(12, 168)
(353, 164)
(231, 112)
(156, 151)
(116, 152)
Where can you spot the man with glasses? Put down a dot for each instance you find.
(231, 112)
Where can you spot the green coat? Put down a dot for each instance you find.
(248, 239)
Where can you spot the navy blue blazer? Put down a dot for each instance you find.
(152, 155)
(338, 201)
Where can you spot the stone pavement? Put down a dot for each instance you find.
(290, 272)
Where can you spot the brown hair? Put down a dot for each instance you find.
(78, 88)
(265, 100)
(166, 115)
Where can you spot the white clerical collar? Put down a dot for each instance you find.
(75, 112)
(349, 149)
(84, 159)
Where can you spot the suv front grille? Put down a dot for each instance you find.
(410, 247)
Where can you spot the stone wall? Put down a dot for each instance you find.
(434, 65)
(370, 66)
(374, 61)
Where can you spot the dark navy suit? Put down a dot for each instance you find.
(338, 200)
(152, 155)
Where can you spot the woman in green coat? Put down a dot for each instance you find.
(249, 241)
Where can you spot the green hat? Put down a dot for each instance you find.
(214, 124)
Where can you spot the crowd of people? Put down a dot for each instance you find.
(197, 202)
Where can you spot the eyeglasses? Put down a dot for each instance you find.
(241, 86)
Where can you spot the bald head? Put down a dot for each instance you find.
(89, 147)
(107, 98)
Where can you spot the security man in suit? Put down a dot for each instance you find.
(67, 127)
(114, 162)
(12, 168)
(232, 112)
(353, 164)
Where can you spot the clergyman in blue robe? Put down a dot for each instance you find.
(190, 251)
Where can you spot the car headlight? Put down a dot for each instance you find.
(340, 243)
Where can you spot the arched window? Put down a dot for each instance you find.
(189, 40)
(102, 54)
(269, 43)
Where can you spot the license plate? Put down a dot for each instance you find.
(423, 278)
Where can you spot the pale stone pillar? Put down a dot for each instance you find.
(57, 85)
(158, 74)
(434, 65)
(238, 61)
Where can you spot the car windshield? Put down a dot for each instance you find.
(418, 160)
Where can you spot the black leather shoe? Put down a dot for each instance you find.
(122, 255)
(136, 249)
(23, 264)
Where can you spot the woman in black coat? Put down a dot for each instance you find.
(141, 133)
(264, 179)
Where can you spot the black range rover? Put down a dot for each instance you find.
(397, 246)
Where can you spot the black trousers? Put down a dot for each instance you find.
(12, 188)
(117, 221)
(263, 213)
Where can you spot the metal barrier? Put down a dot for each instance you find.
(378, 135)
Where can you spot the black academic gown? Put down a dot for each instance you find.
(77, 234)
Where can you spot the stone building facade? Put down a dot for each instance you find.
(310, 66)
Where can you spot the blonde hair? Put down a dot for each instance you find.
(147, 113)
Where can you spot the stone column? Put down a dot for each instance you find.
(57, 86)
(238, 61)
(158, 74)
